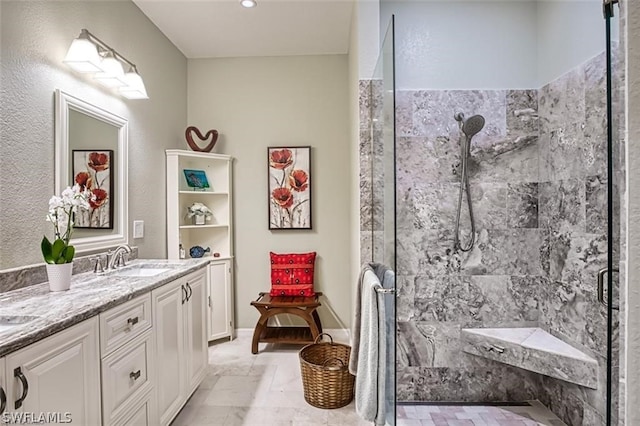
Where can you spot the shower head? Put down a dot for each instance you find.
(473, 125)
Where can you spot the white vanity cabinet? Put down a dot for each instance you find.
(59, 376)
(220, 300)
(179, 320)
(128, 361)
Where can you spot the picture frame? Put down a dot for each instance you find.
(289, 187)
(196, 179)
(92, 170)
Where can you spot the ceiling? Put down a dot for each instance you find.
(223, 28)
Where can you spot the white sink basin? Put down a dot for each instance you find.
(136, 271)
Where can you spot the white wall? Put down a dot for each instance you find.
(568, 34)
(463, 45)
(366, 31)
(35, 37)
(632, 329)
(277, 101)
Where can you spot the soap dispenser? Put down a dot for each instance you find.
(183, 253)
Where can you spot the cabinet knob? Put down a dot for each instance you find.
(135, 375)
(131, 322)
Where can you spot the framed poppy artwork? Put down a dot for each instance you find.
(289, 187)
(92, 171)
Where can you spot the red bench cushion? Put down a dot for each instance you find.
(292, 274)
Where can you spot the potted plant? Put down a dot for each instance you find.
(59, 254)
(199, 213)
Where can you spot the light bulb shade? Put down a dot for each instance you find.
(112, 74)
(134, 89)
(248, 3)
(83, 56)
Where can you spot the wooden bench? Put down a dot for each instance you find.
(270, 306)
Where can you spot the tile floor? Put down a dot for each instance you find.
(429, 415)
(266, 390)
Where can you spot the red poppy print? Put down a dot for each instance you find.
(298, 180)
(84, 180)
(98, 161)
(92, 171)
(281, 159)
(289, 187)
(283, 197)
(98, 198)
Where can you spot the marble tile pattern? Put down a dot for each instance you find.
(264, 389)
(17, 278)
(89, 295)
(538, 183)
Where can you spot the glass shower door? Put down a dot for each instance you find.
(615, 193)
(382, 103)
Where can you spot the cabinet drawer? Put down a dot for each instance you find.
(126, 374)
(141, 413)
(124, 323)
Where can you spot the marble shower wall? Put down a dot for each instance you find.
(573, 206)
(441, 291)
(538, 183)
(372, 174)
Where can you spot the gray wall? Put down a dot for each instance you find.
(35, 36)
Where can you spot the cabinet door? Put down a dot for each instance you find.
(168, 322)
(195, 311)
(4, 405)
(63, 376)
(220, 314)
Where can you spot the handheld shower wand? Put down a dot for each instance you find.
(469, 127)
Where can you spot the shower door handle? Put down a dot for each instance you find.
(601, 273)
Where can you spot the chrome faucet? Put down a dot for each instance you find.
(115, 258)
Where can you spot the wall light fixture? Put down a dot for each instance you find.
(89, 54)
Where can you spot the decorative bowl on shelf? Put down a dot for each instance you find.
(197, 251)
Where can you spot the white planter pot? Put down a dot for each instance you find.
(199, 220)
(59, 276)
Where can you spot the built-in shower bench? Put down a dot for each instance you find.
(532, 349)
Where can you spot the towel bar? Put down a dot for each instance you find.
(386, 290)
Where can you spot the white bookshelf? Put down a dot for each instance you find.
(216, 234)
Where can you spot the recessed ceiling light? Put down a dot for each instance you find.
(248, 3)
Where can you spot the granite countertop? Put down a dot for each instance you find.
(89, 295)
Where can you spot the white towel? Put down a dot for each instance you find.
(368, 353)
(356, 322)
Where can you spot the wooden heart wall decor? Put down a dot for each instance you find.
(213, 134)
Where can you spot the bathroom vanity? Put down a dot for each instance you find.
(126, 347)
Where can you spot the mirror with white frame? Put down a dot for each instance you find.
(91, 147)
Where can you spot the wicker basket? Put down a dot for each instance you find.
(325, 374)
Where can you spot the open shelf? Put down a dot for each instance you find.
(203, 193)
(203, 226)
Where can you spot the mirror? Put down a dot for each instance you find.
(91, 146)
